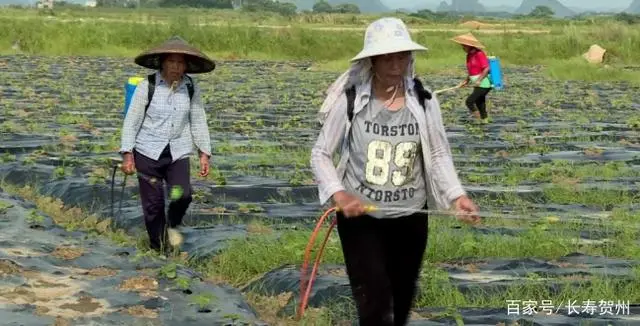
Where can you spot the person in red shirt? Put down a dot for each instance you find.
(478, 72)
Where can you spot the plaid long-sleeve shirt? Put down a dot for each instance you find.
(169, 120)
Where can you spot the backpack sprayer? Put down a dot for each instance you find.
(495, 76)
(129, 89)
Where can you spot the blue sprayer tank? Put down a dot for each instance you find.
(495, 72)
(129, 88)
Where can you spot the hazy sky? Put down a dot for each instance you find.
(516, 3)
(573, 3)
(394, 4)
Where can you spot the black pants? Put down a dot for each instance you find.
(151, 177)
(476, 101)
(383, 259)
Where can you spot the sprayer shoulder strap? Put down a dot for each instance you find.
(152, 86)
(190, 87)
(422, 93)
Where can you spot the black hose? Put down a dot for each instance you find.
(124, 183)
(113, 186)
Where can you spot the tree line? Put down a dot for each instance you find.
(282, 7)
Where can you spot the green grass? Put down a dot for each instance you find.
(265, 250)
(236, 36)
(246, 259)
(578, 69)
(551, 172)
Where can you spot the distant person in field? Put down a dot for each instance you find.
(394, 154)
(478, 71)
(157, 141)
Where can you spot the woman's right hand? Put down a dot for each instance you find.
(128, 165)
(349, 204)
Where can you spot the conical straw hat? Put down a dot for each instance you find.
(468, 39)
(595, 54)
(197, 62)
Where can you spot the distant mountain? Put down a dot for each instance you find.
(410, 5)
(502, 8)
(558, 8)
(634, 7)
(366, 6)
(416, 7)
(17, 2)
(578, 9)
(581, 10)
(462, 6)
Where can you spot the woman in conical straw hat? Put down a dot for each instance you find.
(157, 140)
(478, 71)
(394, 156)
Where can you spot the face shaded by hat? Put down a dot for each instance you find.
(195, 61)
(389, 47)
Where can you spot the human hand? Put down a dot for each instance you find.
(349, 204)
(128, 165)
(204, 165)
(466, 210)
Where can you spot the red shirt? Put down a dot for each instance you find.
(476, 62)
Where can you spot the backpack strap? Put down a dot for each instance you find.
(190, 87)
(152, 87)
(351, 98)
(421, 92)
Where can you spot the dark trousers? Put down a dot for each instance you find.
(383, 258)
(151, 177)
(476, 101)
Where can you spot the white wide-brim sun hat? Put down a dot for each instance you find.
(387, 35)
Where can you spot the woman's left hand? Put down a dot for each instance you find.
(466, 210)
(204, 165)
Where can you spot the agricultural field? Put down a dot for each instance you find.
(555, 174)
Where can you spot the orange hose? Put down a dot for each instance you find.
(306, 285)
(314, 271)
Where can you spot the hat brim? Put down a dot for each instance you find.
(196, 61)
(388, 48)
(469, 43)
